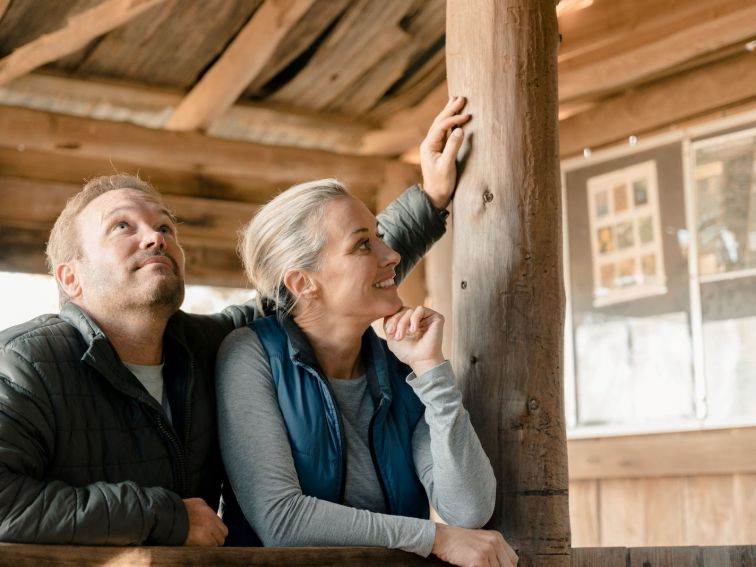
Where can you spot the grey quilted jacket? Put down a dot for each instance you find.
(87, 456)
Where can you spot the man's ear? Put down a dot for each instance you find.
(68, 279)
(300, 284)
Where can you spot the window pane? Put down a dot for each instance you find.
(726, 197)
(729, 331)
(634, 369)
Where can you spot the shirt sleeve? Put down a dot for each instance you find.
(449, 458)
(260, 467)
(410, 224)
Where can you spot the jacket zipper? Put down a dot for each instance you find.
(378, 472)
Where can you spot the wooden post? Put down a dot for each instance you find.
(508, 289)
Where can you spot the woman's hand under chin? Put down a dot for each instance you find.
(415, 336)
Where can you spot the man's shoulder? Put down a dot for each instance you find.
(33, 334)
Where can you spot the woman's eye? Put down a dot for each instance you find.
(364, 245)
(120, 225)
(380, 235)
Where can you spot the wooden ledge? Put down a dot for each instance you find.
(18, 555)
(22, 555)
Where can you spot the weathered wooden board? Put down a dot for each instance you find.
(584, 513)
(599, 557)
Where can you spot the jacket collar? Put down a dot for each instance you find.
(102, 356)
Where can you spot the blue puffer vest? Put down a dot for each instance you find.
(315, 430)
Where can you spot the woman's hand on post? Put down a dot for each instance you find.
(415, 337)
(438, 152)
(468, 548)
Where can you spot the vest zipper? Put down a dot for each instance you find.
(378, 472)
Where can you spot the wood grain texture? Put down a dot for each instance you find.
(713, 27)
(188, 152)
(710, 505)
(69, 556)
(366, 33)
(171, 46)
(584, 513)
(65, 556)
(623, 512)
(78, 31)
(151, 107)
(599, 557)
(689, 453)
(241, 62)
(659, 104)
(665, 557)
(745, 504)
(665, 512)
(509, 298)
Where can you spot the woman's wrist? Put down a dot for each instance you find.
(422, 366)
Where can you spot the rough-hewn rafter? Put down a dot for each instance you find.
(187, 152)
(722, 27)
(672, 100)
(150, 106)
(239, 65)
(80, 30)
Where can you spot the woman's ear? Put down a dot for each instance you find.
(68, 279)
(300, 284)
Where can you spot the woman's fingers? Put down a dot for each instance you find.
(389, 323)
(436, 137)
(402, 326)
(453, 106)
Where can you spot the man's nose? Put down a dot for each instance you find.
(153, 238)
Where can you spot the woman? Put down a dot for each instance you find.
(329, 435)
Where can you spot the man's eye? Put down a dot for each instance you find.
(120, 225)
(166, 229)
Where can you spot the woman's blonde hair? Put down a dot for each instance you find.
(286, 234)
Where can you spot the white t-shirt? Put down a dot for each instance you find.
(151, 377)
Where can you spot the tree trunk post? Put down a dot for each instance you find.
(507, 269)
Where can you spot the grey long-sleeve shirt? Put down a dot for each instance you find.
(449, 460)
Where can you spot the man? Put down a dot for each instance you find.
(107, 410)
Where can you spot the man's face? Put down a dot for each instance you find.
(130, 256)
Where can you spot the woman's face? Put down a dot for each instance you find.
(356, 276)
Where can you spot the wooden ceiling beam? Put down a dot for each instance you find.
(77, 33)
(661, 104)
(150, 106)
(407, 128)
(240, 64)
(712, 28)
(189, 153)
(3, 7)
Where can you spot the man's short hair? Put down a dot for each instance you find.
(64, 245)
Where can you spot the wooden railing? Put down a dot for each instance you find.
(69, 556)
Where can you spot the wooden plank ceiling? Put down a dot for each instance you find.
(231, 100)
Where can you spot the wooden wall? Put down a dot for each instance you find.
(682, 489)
